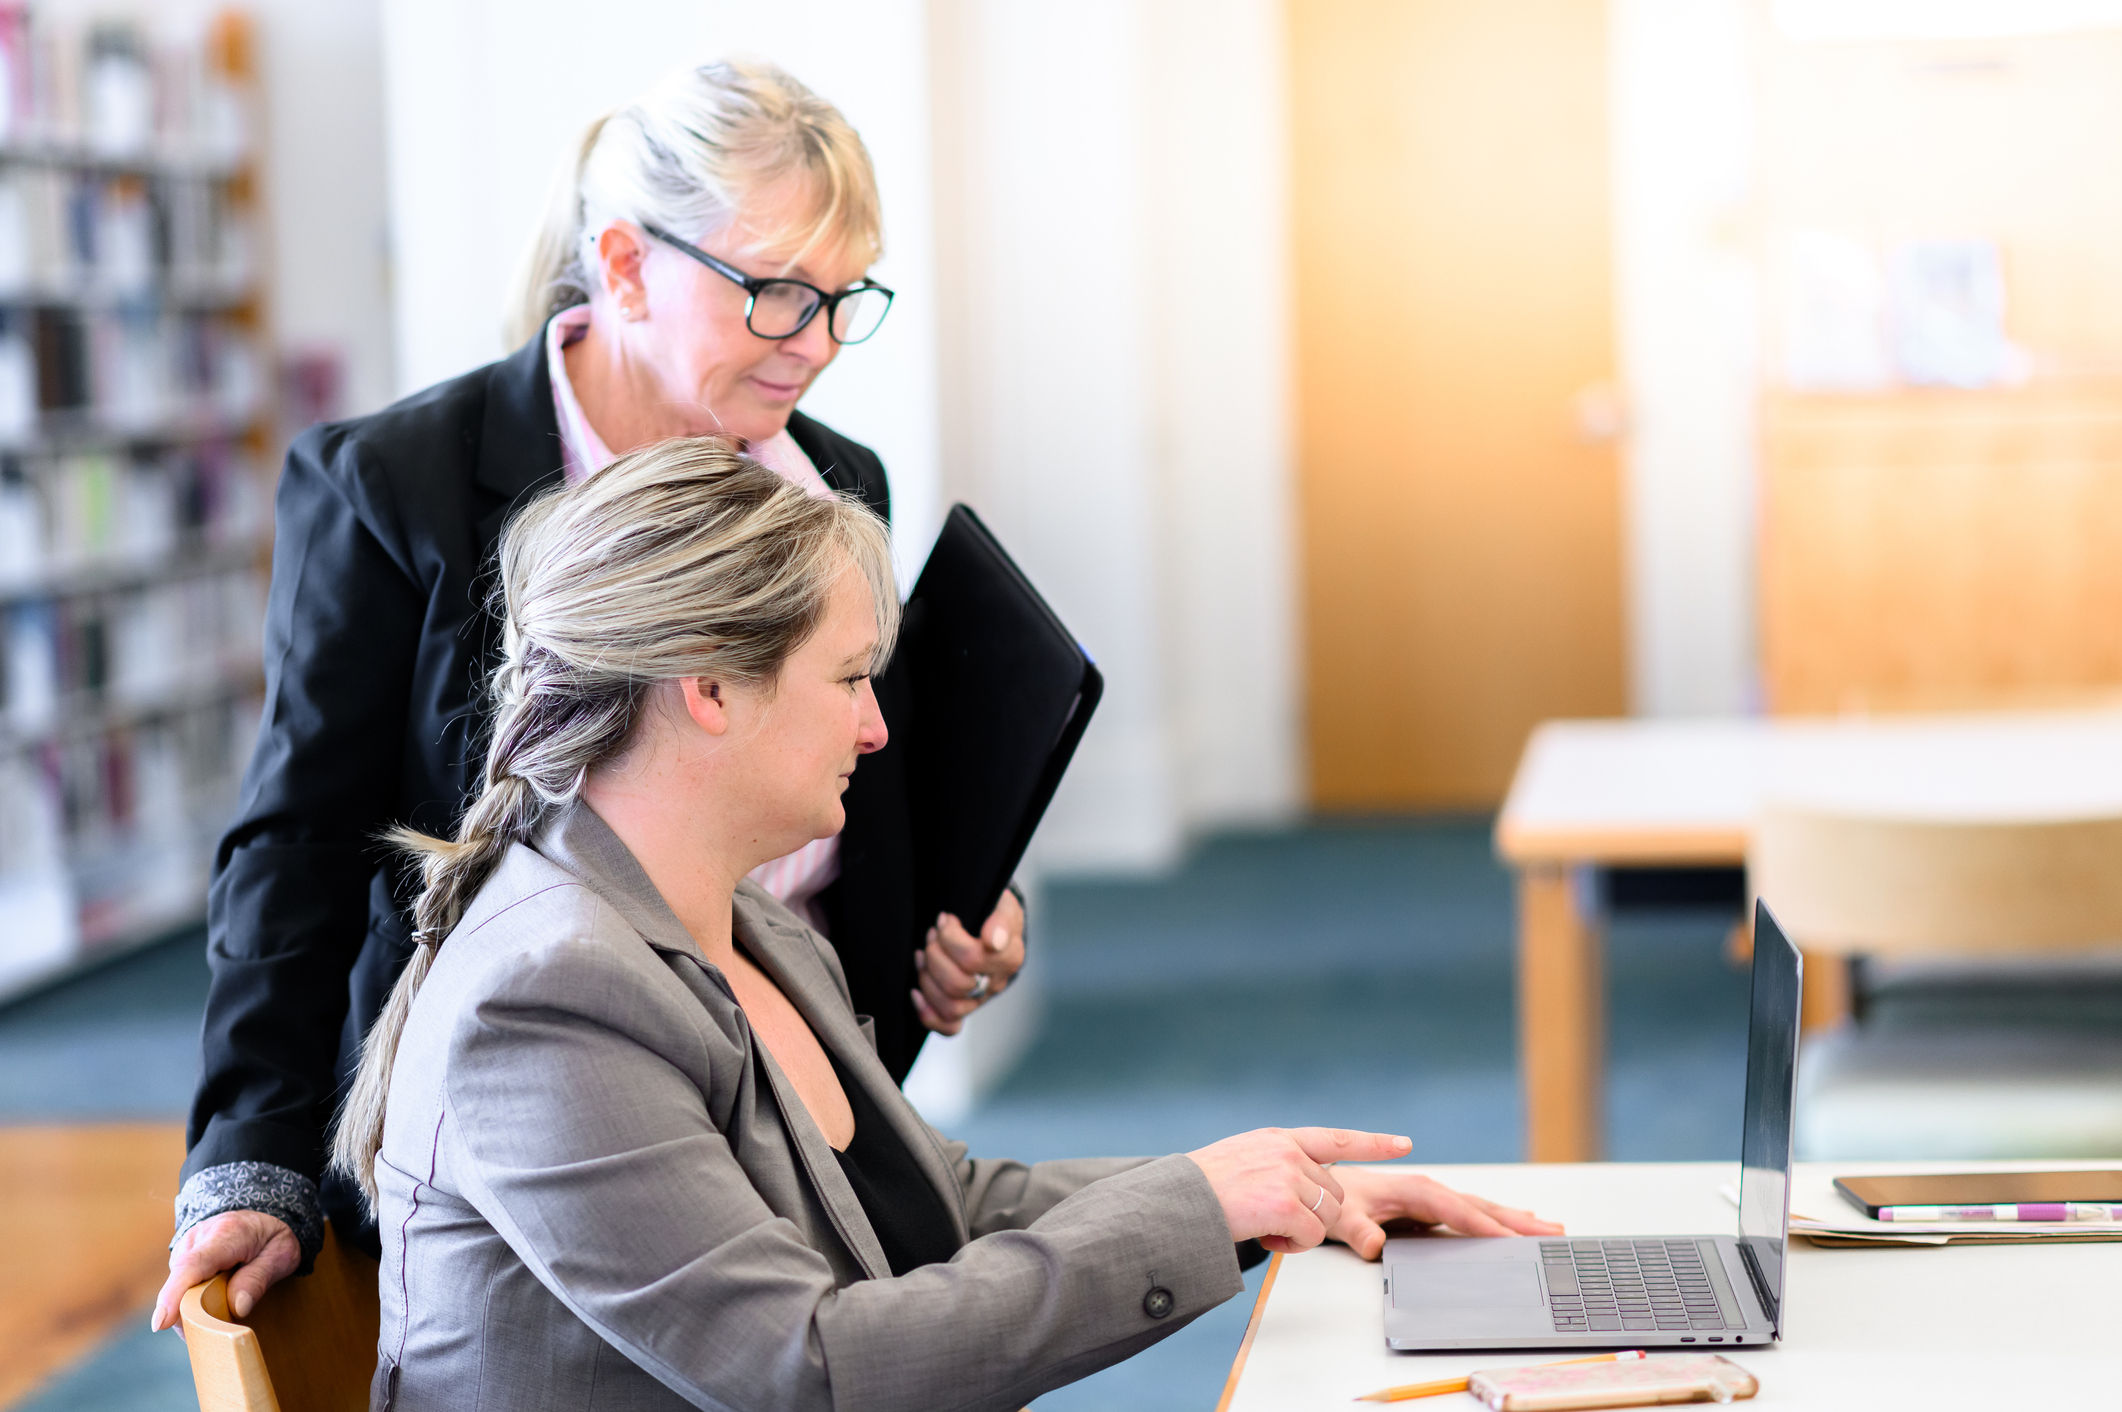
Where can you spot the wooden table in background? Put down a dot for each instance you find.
(1592, 794)
(1964, 1327)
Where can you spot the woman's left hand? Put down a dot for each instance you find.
(1375, 1195)
(953, 962)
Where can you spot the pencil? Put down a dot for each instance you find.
(1444, 1385)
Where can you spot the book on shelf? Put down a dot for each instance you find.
(117, 87)
(133, 494)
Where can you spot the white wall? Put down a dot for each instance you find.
(1110, 181)
(485, 96)
(1051, 433)
(1688, 323)
(1220, 197)
(322, 66)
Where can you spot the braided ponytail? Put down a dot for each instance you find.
(683, 559)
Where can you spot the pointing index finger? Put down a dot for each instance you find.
(1325, 1145)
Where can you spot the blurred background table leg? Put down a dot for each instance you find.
(1561, 1015)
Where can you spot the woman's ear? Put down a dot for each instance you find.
(620, 250)
(704, 703)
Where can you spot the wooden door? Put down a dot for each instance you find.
(1454, 320)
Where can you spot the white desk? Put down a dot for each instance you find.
(1975, 1327)
(1590, 793)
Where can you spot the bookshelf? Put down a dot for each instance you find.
(134, 490)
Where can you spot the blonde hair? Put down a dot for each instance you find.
(689, 156)
(683, 559)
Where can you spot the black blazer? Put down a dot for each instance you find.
(377, 642)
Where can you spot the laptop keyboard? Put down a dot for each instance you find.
(1663, 1285)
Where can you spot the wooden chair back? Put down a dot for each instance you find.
(317, 1334)
(1845, 885)
(1901, 887)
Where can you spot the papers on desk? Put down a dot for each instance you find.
(1818, 1212)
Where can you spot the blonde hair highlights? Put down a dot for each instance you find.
(683, 559)
(690, 156)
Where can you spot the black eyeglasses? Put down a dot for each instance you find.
(783, 308)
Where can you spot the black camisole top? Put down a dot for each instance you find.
(904, 1209)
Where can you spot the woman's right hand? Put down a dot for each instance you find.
(1274, 1185)
(259, 1248)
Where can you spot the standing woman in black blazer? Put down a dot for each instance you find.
(703, 261)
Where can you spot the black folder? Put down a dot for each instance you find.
(1000, 692)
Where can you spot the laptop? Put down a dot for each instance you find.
(1699, 1292)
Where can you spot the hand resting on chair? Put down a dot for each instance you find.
(259, 1249)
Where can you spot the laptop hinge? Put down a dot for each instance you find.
(1752, 1263)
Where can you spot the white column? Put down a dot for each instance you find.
(1052, 390)
(322, 72)
(1683, 107)
(1220, 198)
(1112, 208)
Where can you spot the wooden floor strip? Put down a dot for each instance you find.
(86, 1223)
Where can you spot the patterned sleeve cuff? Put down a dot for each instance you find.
(255, 1186)
(1016, 890)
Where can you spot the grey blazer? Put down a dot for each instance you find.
(598, 1192)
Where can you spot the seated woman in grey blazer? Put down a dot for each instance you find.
(628, 1142)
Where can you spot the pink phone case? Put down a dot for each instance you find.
(1642, 1382)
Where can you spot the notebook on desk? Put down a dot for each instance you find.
(1697, 1291)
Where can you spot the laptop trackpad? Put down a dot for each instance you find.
(1453, 1284)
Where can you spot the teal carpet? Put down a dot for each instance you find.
(1355, 974)
(115, 1044)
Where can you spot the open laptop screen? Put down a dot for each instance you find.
(1771, 1076)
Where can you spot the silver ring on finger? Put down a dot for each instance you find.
(981, 983)
(1320, 1202)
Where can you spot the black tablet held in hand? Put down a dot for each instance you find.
(998, 693)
